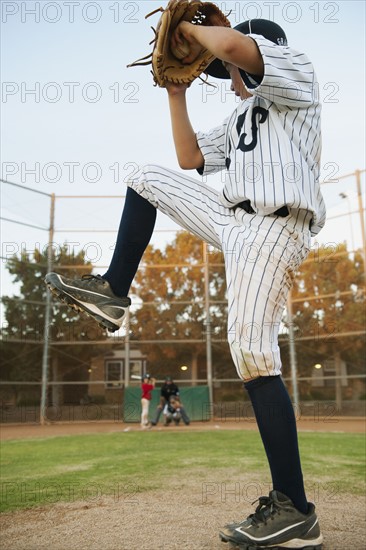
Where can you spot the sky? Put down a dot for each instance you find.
(76, 121)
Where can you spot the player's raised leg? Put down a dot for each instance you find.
(189, 203)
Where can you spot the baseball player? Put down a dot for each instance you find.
(268, 150)
(172, 411)
(169, 389)
(147, 386)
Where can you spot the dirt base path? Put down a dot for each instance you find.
(22, 431)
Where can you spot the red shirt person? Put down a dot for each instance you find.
(147, 386)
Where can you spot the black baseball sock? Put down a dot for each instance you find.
(277, 426)
(134, 234)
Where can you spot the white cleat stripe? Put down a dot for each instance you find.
(298, 543)
(83, 290)
(261, 539)
(95, 309)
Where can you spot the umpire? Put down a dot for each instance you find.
(168, 389)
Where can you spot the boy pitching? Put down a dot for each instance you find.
(268, 150)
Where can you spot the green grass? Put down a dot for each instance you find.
(38, 472)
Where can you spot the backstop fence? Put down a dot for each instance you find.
(50, 373)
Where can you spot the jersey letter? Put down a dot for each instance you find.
(263, 114)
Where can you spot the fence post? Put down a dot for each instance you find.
(293, 362)
(208, 326)
(47, 317)
(127, 350)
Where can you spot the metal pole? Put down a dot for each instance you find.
(47, 317)
(349, 213)
(127, 349)
(362, 219)
(292, 348)
(338, 381)
(208, 327)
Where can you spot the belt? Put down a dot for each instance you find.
(283, 212)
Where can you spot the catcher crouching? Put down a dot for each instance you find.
(268, 150)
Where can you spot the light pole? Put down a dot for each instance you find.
(345, 196)
(362, 219)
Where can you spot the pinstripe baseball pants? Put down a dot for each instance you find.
(261, 255)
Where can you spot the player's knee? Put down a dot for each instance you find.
(252, 361)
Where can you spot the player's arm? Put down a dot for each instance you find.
(225, 43)
(188, 153)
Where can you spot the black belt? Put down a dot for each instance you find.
(283, 212)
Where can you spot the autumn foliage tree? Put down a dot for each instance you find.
(329, 309)
(23, 330)
(170, 284)
(170, 320)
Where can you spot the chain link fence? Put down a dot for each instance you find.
(49, 373)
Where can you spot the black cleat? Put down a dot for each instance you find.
(91, 294)
(276, 524)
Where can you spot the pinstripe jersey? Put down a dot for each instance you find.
(270, 146)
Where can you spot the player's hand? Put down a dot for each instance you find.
(182, 34)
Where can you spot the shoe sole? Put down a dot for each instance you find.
(295, 545)
(67, 300)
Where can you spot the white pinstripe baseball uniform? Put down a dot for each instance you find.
(269, 149)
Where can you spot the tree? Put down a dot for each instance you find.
(170, 284)
(328, 301)
(22, 335)
(329, 309)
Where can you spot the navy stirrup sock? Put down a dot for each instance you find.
(277, 426)
(134, 234)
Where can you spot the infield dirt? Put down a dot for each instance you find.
(186, 515)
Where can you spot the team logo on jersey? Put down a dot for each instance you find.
(258, 113)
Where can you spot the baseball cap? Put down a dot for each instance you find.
(270, 30)
(168, 379)
(146, 376)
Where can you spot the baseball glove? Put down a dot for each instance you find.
(167, 65)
